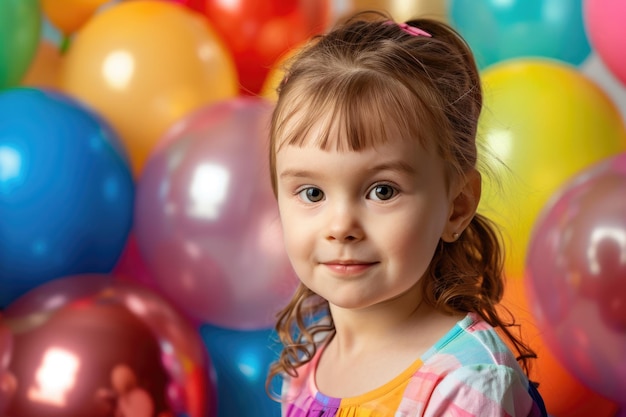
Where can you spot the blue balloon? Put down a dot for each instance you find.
(241, 359)
(66, 191)
(498, 30)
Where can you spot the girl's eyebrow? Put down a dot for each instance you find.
(396, 166)
(296, 173)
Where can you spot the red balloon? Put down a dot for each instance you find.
(109, 348)
(257, 32)
(576, 273)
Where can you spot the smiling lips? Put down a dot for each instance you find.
(348, 267)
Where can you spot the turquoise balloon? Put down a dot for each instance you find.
(20, 26)
(498, 30)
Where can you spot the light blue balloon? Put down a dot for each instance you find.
(66, 191)
(498, 30)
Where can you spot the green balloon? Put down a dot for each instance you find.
(20, 26)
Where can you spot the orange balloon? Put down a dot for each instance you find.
(45, 68)
(145, 64)
(69, 15)
(564, 395)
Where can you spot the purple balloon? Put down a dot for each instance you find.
(577, 257)
(207, 221)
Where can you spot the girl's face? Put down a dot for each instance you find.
(361, 227)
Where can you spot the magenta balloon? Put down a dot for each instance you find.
(89, 346)
(206, 219)
(576, 276)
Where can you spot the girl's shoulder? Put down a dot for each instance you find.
(472, 369)
(472, 340)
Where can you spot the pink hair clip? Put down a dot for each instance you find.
(413, 31)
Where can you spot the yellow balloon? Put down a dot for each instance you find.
(543, 122)
(403, 10)
(145, 64)
(69, 15)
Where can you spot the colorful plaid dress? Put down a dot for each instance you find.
(469, 372)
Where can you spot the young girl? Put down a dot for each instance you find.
(373, 162)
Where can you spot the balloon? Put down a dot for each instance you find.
(107, 348)
(402, 10)
(563, 394)
(69, 15)
(66, 191)
(131, 266)
(145, 64)
(242, 360)
(258, 32)
(51, 34)
(275, 75)
(500, 30)
(8, 383)
(20, 22)
(543, 122)
(604, 21)
(207, 221)
(44, 70)
(597, 71)
(577, 253)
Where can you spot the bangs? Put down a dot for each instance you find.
(354, 111)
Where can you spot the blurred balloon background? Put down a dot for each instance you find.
(88, 346)
(577, 275)
(206, 219)
(20, 24)
(548, 113)
(145, 64)
(136, 214)
(66, 191)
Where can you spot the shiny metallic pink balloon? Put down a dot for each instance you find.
(576, 276)
(90, 347)
(206, 220)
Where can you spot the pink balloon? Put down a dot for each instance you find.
(206, 219)
(108, 348)
(576, 276)
(604, 21)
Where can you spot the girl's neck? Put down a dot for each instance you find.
(373, 346)
(379, 325)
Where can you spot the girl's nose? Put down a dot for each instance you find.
(344, 224)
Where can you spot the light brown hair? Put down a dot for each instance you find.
(364, 75)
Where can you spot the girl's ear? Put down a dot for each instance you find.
(463, 207)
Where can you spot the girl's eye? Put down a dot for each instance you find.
(311, 194)
(382, 192)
